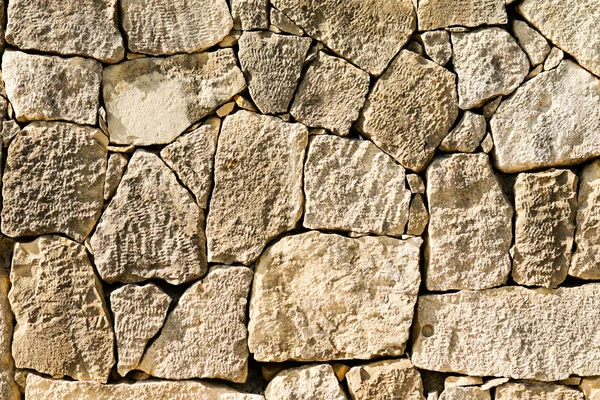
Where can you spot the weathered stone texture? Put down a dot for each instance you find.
(411, 109)
(258, 185)
(465, 393)
(391, 379)
(152, 228)
(470, 226)
(8, 388)
(54, 180)
(305, 383)
(467, 134)
(250, 14)
(153, 100)
(283, 23)
(554, 58)
(462, 381)
(531, 41)
(318, 282)
(351, 185)
(434, 14)
(418, 216)
(536, 391)
(62, 324)
(437, 46)
(116, 165)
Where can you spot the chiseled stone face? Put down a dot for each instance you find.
(536, 391)
(390, 379)
(250, 14)
(305, 383)
(434, 14)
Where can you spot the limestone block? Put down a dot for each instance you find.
(305, 383)
(531, 41)
(284, 24)
(467, 134)
(418, 216)
(434, 14)
(115, 168)
(250, 14)
(390, 379)
(8, 387)
(536, 391)
(465, 393)
(437, 46)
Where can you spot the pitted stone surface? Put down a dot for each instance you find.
(392, 379)
(465, 393)
(554, 58)
(467, 135)
(305, 383)
(434, 14)
(114, 172)
(536, 391)
(531, 41)
(250, 14)
(283, 23)
(418, 216)
(437, 46)
(8, 388)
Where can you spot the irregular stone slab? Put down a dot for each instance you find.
(554, 58)
(191, 157)
(139, 313)
(86, 28)
(351, 185)
(51, 88)
(321, 280)
(488, 62)
(272, 64)
(174, 26)
(465, 393)
(390, 379)
(418, 216)
(572, 25)
(536, 391)
(510, 331)
(531, 41)
(434, 14)
(153, 100)
(258, 164)
(8, 388)
(487, 144)
(467, 134)
(423, 111)
(437, 46)
(550, 121)
(64, 329)
(283, 23)
(205, 335)
(54, 180)
(470, 225)
(151, 229)
(305, 383)
(545, 203)
(331, 94)
(39, 388)
(114, 172)
(250, 14)
(368, 34)
(461, 381)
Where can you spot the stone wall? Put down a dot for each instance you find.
(300, 199)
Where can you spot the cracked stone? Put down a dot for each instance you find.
(434, 14)
(531, 41)
(467, 134)
(250, 14)
(117, 163)
(305, 383)
(390, 379)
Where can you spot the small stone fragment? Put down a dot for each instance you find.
(418, 216)
(536, 391)
(488, 62)
(415, 47)
(231, 39)
(554, 58)
(305, 383)
(340, 370)
(225, 109)
(272, 64)
(114, 171)
(270, 370)
(250, 14)
(9, 389)
(470, 227)
(10, 129)
(437, 46)
(467, 134)
(153, 100)
(390, 379)
(281, 21)
(534, 72)
(460, 381)
(244, 103)
(591, 388)
(571, 381)
(487, 144)
(205, 335)
(64, 329)
(410, 110)
(415, 183)
(465, 393)
(491, 106)
(258, 164)
(531, 41)
(495, 382)
(139, 312)
(434, 14)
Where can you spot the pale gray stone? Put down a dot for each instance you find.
(8, 387)
(536, 391)
(250, 14)
(410, 110)
(437, 46)
(305, 383)
(487, 144)
(383, 380)
(531, 41)
(258, 185)
(467, 134)
(434, 14)
(10, 129)
(415, 183)
(153, 100)
(418, 216)
(284, 24)
(554, 58)
(465, 393)
(114, 172)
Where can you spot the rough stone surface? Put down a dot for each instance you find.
(537, 127)
(536, 391)
(57, 187)
(117, 163)
(392, 379)
(305, 383)
(205, 335)
(467, 134)
(331, 94)
(541, 334)
(531, 41)
(250, 14)
(418, 216)
(434, 14)
(258, 164)
(320, 282)
(554, 58)
(152, 228)
(470, 227)
(64, 329)
(153, 100)
(51, 87)
(174, 26)
(351, 185)
(488, 62)
(591, 388)
(8, 388)
(283, 23)
(191, 157)
(272, 64)
(368, 34)
(461, 381)
(545, 205)
(139, 312)
(437, 46)
(465, 393)
(411, 109)
(84, 27)
(415, 183)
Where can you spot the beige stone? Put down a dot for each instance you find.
(531, 41)
(117, 163)
(410, 109)
(461, 381)
(62, 323)
(494, 382)
(10, 129)
(534, 72)
(415, 183)
(536, 391)
(489, 108)
(8, 387)
(434, 14)
(305, 383)
(284, 24)
(153, 100)
(418, 216)
(571, 381)
(487, 144)
(591, 388)
(250, 14)
(554, 58)
(340, 370)
(390, 379)
(437, 46)
(258, 185)
(467, 134)
(465, 393)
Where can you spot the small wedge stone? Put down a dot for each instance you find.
(461, 381)
(536, 391)
(531, 41)
(281, 21)
(418, 216)
(554, 58)
(390, 379)
(489, 108)
(434, 14)
(465, 393)
(250, 14)
(487, 144)
(467, 134)
(415, 183)
(437, 46)
(117, 163)
(591, 388)
(305, 383)
(10, 129)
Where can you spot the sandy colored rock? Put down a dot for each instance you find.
(205, 335)
(284, 24)
(319, 311)
(54, 180)
(305, 383)
(174, 26)
(535, 72)
(117, 163)
(554, 58)
(531, 41)
(541, 334)
(415, 183)
(331, 94)
(258, 185)
(390, 379)
(545, 205)
(151, 229)
(191, 157)
(434, 14)
(465, 393)
(418, 216)
(272, 64)
(461, 381)
(153, 100)
(86, 28)
(8, 387)
(591, 388)
(139, 312)
(490, 108)
(52, 88)
(487, 144)
(467, 134)
(64, 329)
(536, 391)
(552, 120)
(410, 109)
(351, 185)
(250, 14)
(437, 46)
(470, 225)
(488, 62)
